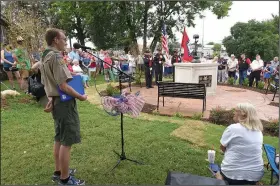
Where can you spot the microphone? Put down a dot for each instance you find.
(77, 46)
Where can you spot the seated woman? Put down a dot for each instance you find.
(77, 69)
(242, 144)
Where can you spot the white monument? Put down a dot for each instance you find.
(198, 73)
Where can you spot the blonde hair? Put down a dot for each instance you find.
(75, 62)
(248, 117)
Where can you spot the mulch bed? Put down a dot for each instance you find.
(148, 108)
(247, 88)
(274, 104)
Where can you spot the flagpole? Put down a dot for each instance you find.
(181, 47)
(161, 21)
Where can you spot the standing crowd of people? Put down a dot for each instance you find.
(256, 70)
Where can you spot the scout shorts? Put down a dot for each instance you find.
(66, 122)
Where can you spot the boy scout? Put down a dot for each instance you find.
(67, 125)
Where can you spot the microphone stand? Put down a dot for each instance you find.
(121, 74)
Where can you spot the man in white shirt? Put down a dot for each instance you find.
(232, 63)
(256, 67)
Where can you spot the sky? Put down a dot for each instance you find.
(216, 29)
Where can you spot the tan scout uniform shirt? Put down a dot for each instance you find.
(54, 72)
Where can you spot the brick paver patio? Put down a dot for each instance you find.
(226, 97)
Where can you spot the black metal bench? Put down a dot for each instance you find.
(182, 90)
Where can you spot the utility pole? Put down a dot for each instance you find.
(202, 17)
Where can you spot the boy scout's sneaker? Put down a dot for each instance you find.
(55, 177)
(72, 181)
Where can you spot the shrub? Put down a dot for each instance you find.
(221, 116)
(231, 81)
(260, 85)
(271, 127)
(197, 116)
(155, 112)
(246, 82)
(111, 91)
(178, 115)
(138, 75)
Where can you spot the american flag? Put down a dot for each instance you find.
(164, 41)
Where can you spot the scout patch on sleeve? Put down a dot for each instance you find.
(60, 59)
(61, 62)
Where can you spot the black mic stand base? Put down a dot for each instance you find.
(123, 157)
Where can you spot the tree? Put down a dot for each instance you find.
(116, 24)
(26, 19)
(217, 49)
(254, 37)
(172, 45)
(211, 43)
(71, 17)
(177, 14)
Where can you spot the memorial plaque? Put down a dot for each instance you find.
(207, 80)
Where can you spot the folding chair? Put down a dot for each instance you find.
(271, 155)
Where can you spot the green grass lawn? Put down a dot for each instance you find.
(27, 139)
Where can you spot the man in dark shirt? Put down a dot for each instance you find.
(158, 61)
(243, 65)
(175, 59)
(148, 63)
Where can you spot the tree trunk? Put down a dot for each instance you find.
(133, 45)
(80, 32)
(154, 42)
(147, 5)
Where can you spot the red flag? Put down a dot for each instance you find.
(185, 40)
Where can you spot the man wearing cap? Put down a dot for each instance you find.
(232, 64)
(23, 62)
(158, 61)
(65, 114)
(148, 62)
